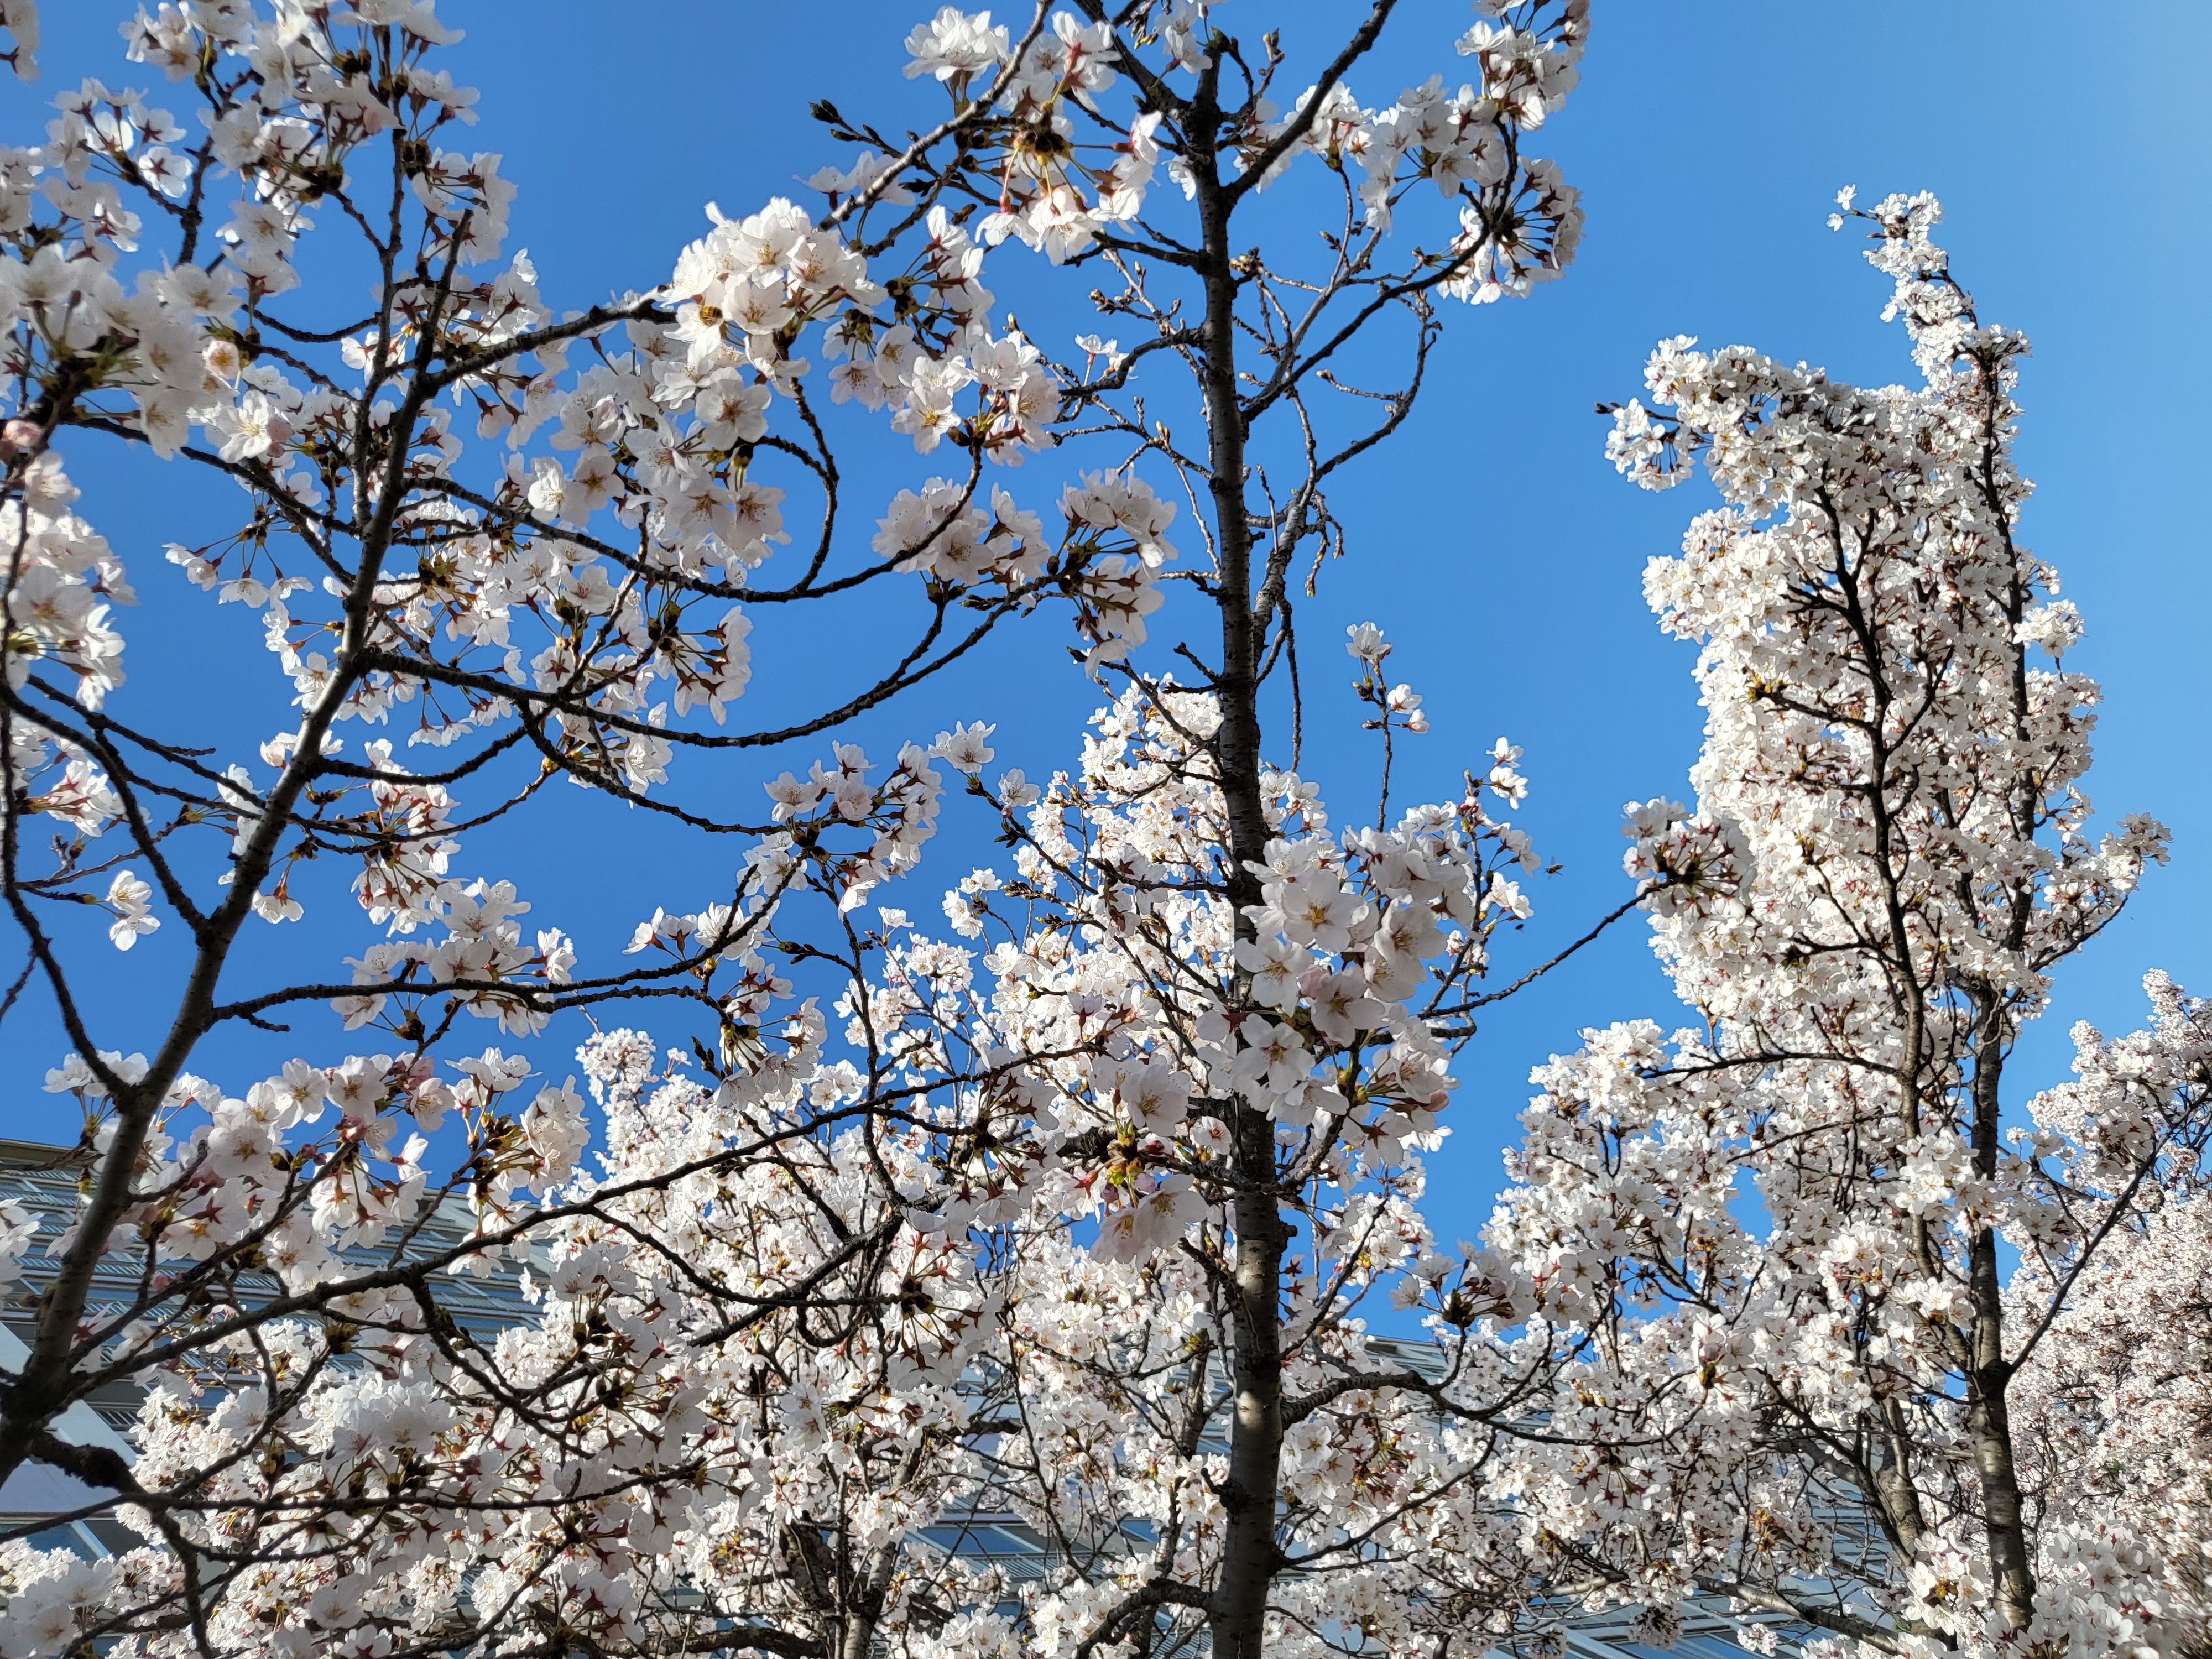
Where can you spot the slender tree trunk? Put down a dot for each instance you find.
(1986, 1372)
(1989, 1418)
(1236, 1614)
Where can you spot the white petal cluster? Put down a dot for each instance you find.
(1520, 223)
(59, 607)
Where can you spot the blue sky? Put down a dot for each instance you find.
(1494, 544)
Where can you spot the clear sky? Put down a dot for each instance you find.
(2073, 155)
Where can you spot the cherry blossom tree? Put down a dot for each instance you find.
(1080, 1226)
(1804, 1380)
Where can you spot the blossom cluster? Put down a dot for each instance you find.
(1520, 223)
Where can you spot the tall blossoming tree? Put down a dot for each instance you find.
(1080, 1226)
(1783, 1233)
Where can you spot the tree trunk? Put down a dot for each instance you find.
(1236, 1611)
(1989, 1418)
